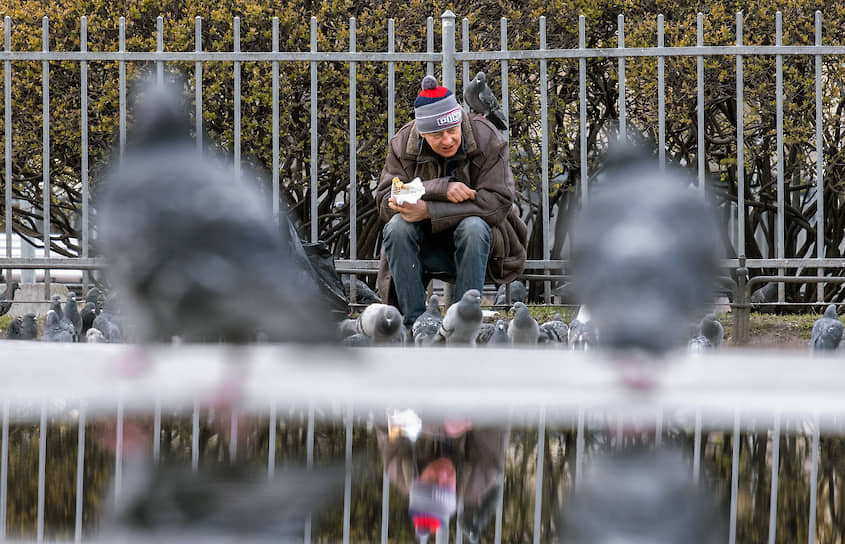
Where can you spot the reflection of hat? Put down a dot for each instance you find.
(430, 506)
(435, 108)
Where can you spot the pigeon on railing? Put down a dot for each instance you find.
(827, 331)
(462, 320)
(426, 325)
(523, 329)
(192, 246)
(481, 99)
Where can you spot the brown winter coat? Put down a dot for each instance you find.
(479, 455)
(483, 166)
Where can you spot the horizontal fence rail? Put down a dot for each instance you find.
(451, 58)
(690, 402)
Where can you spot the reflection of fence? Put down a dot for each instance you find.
(576, 402)
(451, 62)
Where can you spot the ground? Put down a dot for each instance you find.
(775, 331)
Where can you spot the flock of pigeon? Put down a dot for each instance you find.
(95, 323)
(463, 324)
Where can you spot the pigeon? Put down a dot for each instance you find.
(13, 331)
(6, 298)
(699, 344)
(555, 331)
(108, 324)
(56, 305)
(645, 254)
(193, 249)
(57, 329)
(518, 293)
(462, 320)
(765, 294)
(88, 314)
(712, 329)
(94, 336)
(93, 297)
(72, 313)
(642, 495)
(218, 503)
(357, 340)
(363, 293)
(29, 327)
(523, 329)
(485, 333)
(382, 324)
(481, 99)
(583, 335)
(827, 331)
(426, 325)
(500, 334)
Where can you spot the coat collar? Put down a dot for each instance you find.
(469, 145)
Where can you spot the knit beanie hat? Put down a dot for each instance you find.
(435, 108)
(430, 506)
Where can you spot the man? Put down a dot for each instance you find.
(466, 225)
(444, 462)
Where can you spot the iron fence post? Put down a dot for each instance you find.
(448, 66)
(741, 307)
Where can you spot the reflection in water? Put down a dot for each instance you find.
(365, 519)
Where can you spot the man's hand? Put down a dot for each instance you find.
(458, 192)
(412, 213)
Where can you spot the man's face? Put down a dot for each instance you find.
(440, 472)
(445, 142)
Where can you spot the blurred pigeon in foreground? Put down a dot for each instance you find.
(57, 329)
(29, 327)
(13, 331)
(382, 324)
(554, 331)
(523, 329)
(462, 320)
(219, 503)
(72, 314)
(6, 298)
(642, 496)
(645, 254)
(827, 331)
(518, 293)
(426, 325)
(481, 99)
(193, 247)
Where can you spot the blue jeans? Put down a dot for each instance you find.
(413, 251)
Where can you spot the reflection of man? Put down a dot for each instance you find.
(444, 464)
(465, 225)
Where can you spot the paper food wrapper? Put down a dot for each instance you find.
(407, 192)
